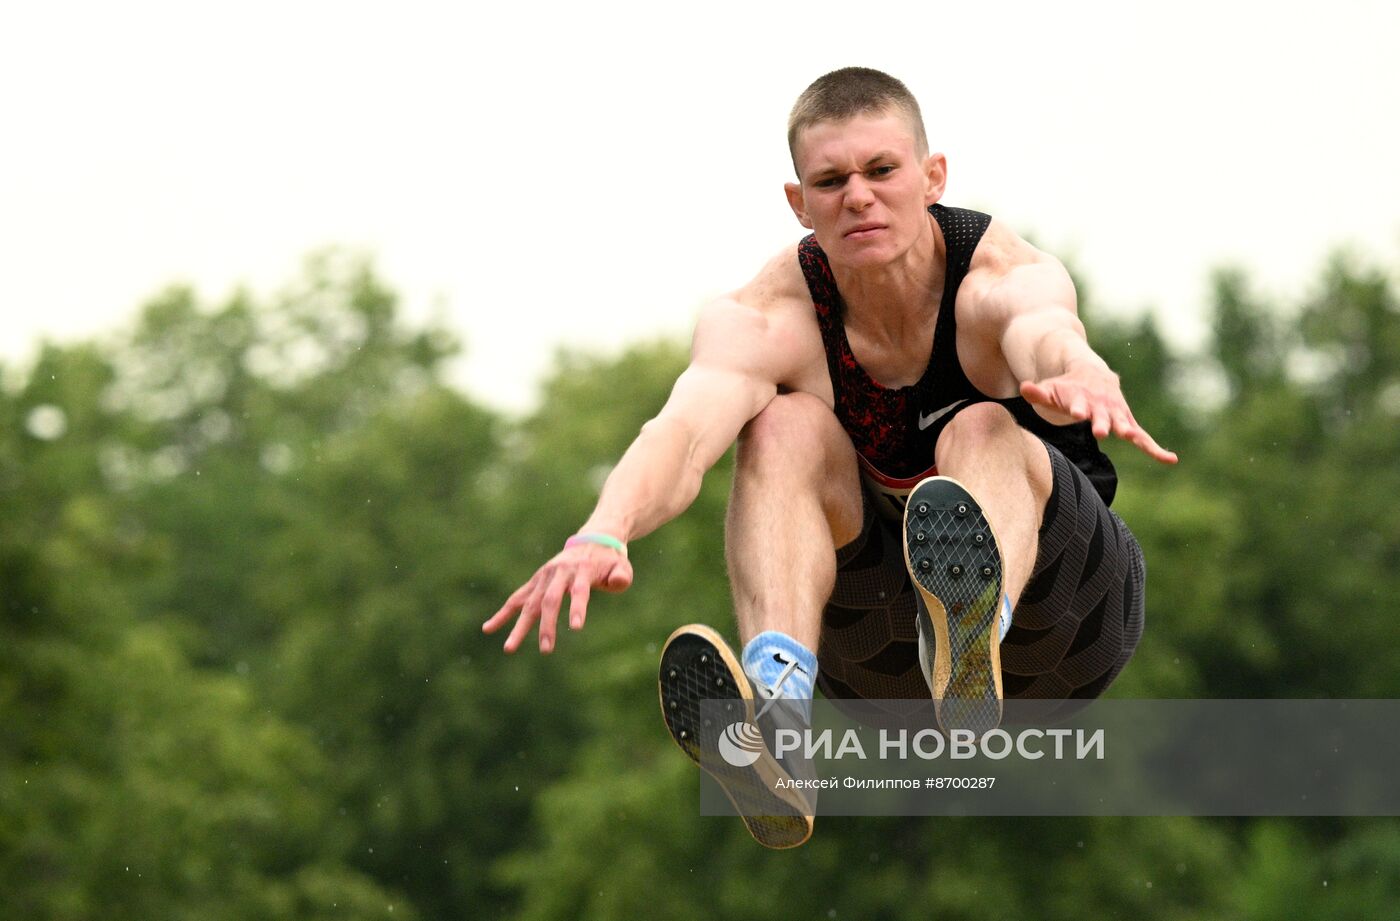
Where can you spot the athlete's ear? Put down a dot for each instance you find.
(935, 177)
(798, 203)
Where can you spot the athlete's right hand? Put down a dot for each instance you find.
(577, 570)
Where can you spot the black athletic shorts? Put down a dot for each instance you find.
(1075, 626)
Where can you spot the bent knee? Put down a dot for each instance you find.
(975, 428)
(794, 429)
(790, 421)
(990, 427)
(979, 422)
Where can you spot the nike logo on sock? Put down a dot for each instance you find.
(778, 657)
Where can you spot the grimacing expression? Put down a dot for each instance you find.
(865, 187)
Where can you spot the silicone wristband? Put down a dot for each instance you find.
(593, 538)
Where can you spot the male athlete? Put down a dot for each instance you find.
(920, 506)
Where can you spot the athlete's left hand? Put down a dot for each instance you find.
(1092, 393)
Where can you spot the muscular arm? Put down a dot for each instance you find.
(1041, 334)
(1030, 308)
(733, 374)
(744, 347)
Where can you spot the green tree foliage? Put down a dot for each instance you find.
(246, 552)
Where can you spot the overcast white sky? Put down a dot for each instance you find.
(590, 173)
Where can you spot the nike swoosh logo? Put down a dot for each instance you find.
(931, 418)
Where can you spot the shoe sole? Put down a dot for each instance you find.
(696, 665)
(955, 564)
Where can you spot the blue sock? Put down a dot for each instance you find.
(770, 657)
(1005, 616)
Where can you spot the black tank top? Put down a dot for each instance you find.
(895, 430)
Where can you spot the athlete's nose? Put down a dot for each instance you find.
(858, 194)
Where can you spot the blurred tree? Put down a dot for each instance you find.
(1250, 345)
(131, 784)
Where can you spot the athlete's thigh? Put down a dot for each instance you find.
(797, 442)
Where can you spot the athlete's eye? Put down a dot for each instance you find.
(830, 182)
(881, 171)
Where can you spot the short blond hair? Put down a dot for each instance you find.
(849, 92)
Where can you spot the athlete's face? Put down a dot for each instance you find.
(864, 188)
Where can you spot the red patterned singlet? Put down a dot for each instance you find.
(895, 430)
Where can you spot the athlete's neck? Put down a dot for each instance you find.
(892, 301)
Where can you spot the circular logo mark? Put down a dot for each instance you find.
(740, 744)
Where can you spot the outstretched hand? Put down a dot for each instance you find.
(577, 570)
(1094, 395)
